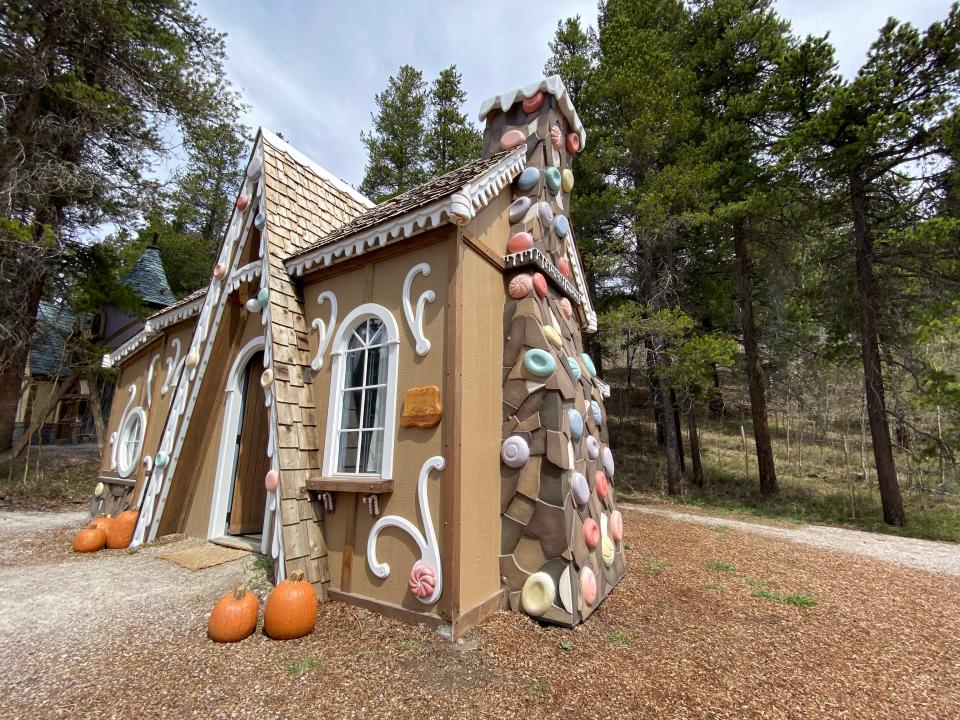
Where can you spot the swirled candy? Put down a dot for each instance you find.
(515, 451)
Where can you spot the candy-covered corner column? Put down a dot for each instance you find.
(561, 534)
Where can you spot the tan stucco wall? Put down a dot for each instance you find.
(380, 281)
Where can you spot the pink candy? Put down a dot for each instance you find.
(423, 579)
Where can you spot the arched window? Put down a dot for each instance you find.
(363, 395)
(130, 441)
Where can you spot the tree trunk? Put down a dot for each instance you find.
(62, 389)
(694, 440)
(678, 431)
(758, 402)
(14, 365)
(96, 408)
(890, 498)
(715, 401)
(670, 440)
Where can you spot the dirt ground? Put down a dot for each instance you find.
(699, 628)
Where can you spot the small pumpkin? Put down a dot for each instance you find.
(291, 609)
(90, 539)
(234, 617)
(120, 531)
(101, 521)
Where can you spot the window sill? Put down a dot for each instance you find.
(368, 486)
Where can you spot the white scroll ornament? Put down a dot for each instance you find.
(416, 321)
(324, 331)
(429, 550)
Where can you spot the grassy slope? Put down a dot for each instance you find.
(814, 487)
(49, 477)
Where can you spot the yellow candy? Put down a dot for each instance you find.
(552, 336)
(608, 551)
(566, 181)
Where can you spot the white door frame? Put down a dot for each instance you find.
(226, 457)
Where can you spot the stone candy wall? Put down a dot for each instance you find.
(561, 538)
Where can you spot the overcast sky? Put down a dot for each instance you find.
(311, 69)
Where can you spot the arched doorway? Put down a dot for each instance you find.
(247, 493)
(239, 497)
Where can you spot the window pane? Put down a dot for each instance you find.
(347, 461)
(374, 403)
(377, 365)
(377, 334)
(350, 417)
(371, 450)
(354, 376)
(355, 341)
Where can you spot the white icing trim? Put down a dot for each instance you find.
(580, 279)
(533, 256)
(337, 372)
(244, 274)
(153, 494)
(477, 193)
(318, 170)
(553, 85)
(324, 331)
(429, 548)
(415, 320)
(226, 458)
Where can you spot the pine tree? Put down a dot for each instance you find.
(91, 91)
(395, 146)
(451, 140)
(886, 144)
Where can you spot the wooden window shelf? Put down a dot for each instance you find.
(106, 479)
(367, 486)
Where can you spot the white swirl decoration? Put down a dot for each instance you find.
(171, 363)
(150, 373)
(324, 330)
(429, 549)
(415, 321)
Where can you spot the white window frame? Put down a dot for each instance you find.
(138, 414)
(338, 368)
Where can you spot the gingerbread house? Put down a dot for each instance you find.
(394, 399)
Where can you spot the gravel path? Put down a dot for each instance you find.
(697, 629)
(923, 554)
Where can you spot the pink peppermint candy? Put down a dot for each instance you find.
(423, 579)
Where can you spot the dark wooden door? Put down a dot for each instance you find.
(249, 494)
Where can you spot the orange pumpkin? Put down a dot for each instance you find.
(234, 617)
(120, 530)
(102, 522)
(90, 539)
(291, 609)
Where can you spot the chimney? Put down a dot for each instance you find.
(542, 117)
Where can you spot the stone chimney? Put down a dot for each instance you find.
(541, 116)
(561, 534)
